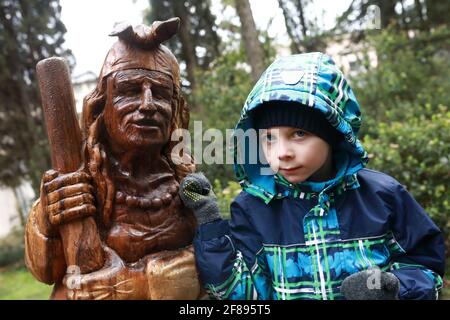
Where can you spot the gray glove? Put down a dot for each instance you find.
(371, 284)
(197, 194)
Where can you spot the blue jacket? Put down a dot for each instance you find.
(300, 241)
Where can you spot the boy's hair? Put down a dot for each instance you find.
(293, 114)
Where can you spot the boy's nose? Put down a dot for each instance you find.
(285, 151)
(147, 104)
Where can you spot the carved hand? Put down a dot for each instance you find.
(66, 197)
(164, 275)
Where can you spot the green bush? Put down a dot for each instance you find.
(226, 195)
(410, 78)
(406, 119)
(220, 96)
(416, 152)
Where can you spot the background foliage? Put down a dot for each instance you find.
(405, 104)
(404, 94)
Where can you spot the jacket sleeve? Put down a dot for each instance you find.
(420, 260)
(230, 260)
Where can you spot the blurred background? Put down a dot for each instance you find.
(395, 53)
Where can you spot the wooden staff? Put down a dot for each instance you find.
(80, 238)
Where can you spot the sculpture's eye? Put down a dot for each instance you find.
(160, 92)
(122, 88)
(132, 90)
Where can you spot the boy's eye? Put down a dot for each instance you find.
(299, 133)
(269, 138)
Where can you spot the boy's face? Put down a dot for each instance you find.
(297, 154)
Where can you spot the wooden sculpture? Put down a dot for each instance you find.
(109, 223)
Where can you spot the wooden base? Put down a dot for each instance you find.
(166, 275)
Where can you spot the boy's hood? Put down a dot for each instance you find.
(313, 81)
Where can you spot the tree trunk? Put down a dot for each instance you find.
(210, 22)
(302, 18)
(253, 48)
(387, 11)
(187, 42)
(295, 45)
(22, 103)
(419, 12)
(308, 43)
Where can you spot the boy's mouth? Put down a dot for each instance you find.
(291, 169)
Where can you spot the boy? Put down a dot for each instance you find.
(321, 226)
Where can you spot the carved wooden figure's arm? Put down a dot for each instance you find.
(44, 255)
(64, 199)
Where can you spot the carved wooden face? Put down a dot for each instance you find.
(138, 108)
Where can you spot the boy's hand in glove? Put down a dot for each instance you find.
(197, 194)
(371, 284)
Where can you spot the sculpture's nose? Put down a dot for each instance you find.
(147, 104)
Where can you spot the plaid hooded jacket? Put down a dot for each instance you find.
(300, 241)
